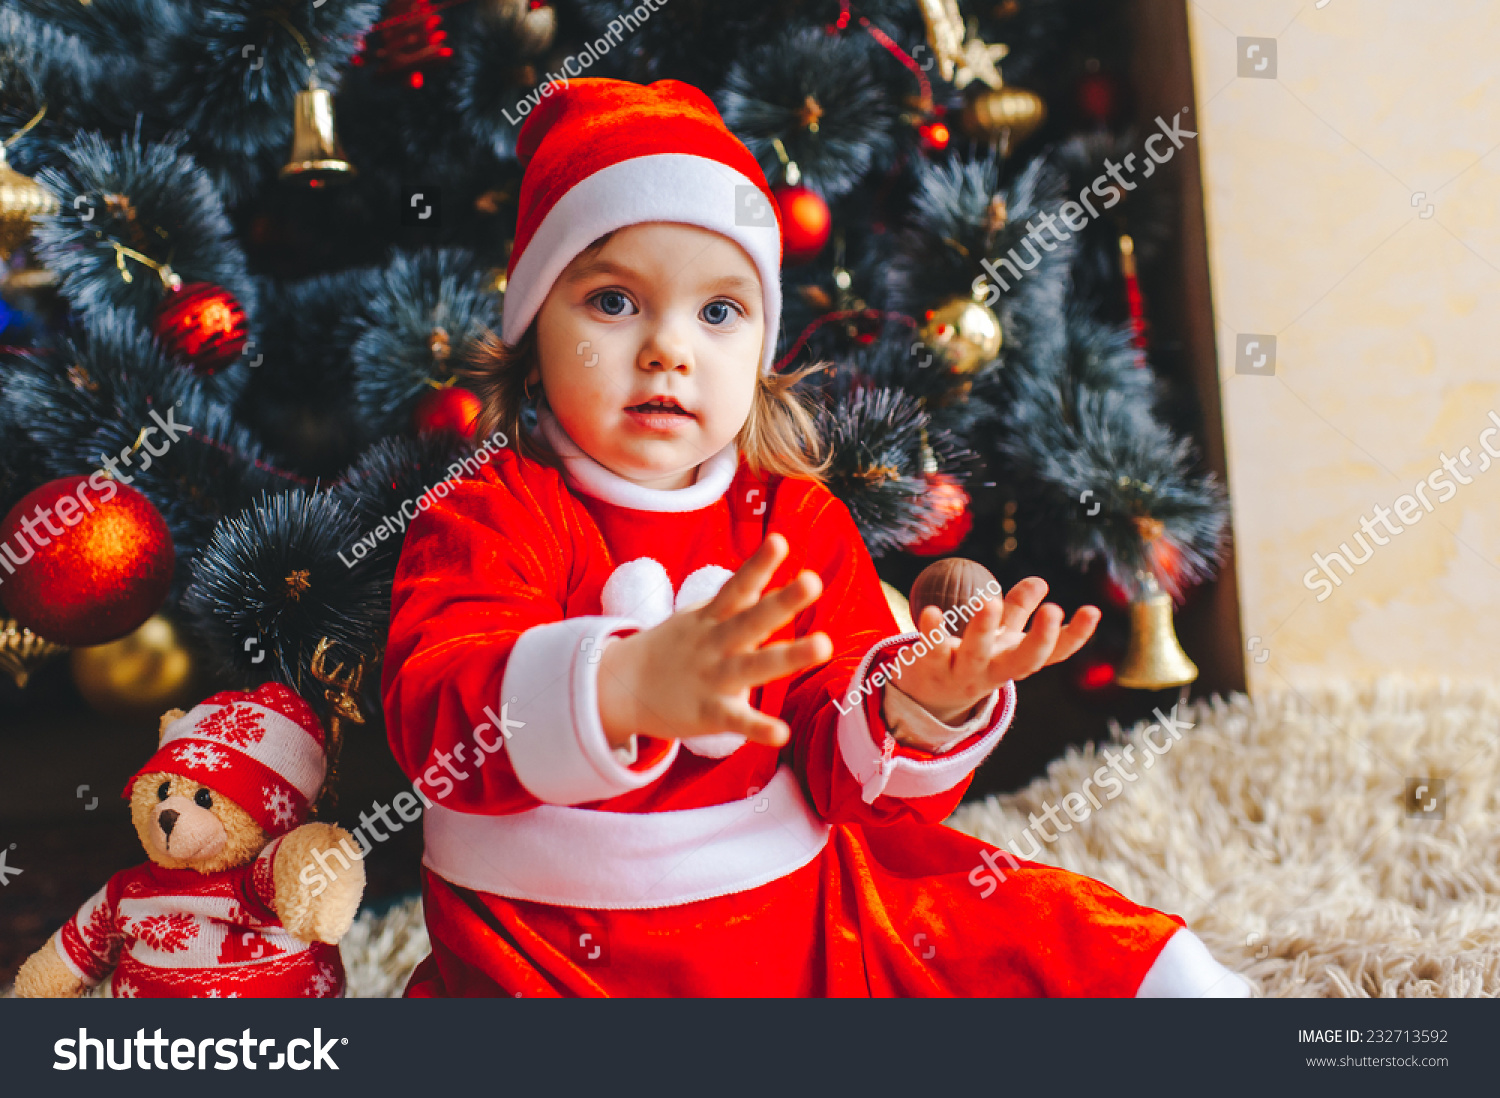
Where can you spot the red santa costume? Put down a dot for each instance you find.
(173, 933)
(710, 866)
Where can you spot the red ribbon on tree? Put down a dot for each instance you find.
(1133, 298)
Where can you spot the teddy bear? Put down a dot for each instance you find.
(224, 907)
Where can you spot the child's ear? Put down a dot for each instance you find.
(167, 718)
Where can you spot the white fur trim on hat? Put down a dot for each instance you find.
(692, 190)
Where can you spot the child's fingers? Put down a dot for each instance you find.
(776, 661)
(1021, 601)
(1031, 654)
(743, 589)
(1075, 633)
(980, 641)
(755, 623)
(754, 725)
(931, 618)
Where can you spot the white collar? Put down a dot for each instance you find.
(588, 476)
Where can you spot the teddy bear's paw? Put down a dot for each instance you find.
(320, 879)
(45, 976)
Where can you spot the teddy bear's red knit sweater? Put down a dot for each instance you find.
(178, 933)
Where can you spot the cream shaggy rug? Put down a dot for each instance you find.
(1283, 829)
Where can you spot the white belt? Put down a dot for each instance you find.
(581, 857)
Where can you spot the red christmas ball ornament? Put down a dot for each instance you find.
(204, 324)
(952, 503)
(1096, 675)
(85, 560)
(1099, 97)
(447, 409)
(1116, 594)
(805, 223)
(412, 34)
(934, 135)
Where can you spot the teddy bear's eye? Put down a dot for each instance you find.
(163, 791)
(203, 799)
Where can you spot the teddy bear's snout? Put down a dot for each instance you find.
(187, 831)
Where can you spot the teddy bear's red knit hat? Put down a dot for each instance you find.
(603, 154)
(263, 749)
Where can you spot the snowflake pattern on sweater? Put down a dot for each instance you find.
(178, 933)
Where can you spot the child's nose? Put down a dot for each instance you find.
(667, 347)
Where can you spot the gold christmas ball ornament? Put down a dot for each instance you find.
(21, 200)
(142, 673)
(965, 332)
(1006, 115)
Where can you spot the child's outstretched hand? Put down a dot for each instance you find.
(692, 674)
(951, 678)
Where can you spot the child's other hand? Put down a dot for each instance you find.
(950, 679)
(692, 674)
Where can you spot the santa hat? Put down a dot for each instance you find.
(603, 154)
(263, 749)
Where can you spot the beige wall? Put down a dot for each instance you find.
(1386, 324)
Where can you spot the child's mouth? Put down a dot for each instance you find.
(660, 413)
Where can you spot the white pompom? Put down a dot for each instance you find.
(717, 746)
(701, 587)
(640, 590)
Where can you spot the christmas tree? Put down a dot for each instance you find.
(252, 245)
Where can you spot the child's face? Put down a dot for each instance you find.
(662, 310)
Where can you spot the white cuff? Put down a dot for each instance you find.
(913, 725)
(559, 751)
(880, 771)
(1185, 969)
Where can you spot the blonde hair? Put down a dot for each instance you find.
(780, 435)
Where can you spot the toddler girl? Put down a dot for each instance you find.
(640, 668)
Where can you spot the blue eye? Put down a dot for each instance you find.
(718, 312)
(612, 303)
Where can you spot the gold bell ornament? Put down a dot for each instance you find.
(21, 198)
(1154, 660)
(317, 158)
